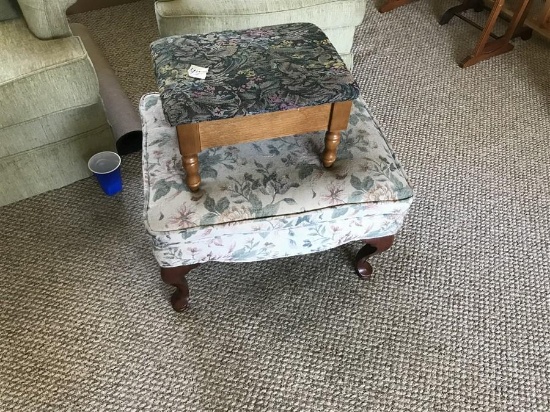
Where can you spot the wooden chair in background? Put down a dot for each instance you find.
(544, 18)
(520, 24)
(486, 47)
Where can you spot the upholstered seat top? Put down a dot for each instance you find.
(38, 77)
(269, 179)
(251, 71)
(333, 13)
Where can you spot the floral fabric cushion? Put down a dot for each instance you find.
(251, 71)
(271, 198)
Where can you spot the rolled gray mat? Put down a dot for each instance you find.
(121, 114)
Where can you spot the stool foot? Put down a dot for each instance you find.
(372, 247)
(176, 277)
(332, 140)
(191, 167)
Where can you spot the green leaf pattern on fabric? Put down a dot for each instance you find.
(270, 198)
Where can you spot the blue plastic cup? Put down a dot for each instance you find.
(106, 168)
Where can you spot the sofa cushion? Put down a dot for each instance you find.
(199, 16)
(30, 168)
(49, 129)
(47, 19)
(38, 76)
(9, 9)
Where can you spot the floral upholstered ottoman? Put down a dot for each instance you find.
(269, 199)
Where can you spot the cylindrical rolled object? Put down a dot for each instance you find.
(121, 114)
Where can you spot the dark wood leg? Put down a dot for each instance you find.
(485, 48)
(392, 4)
(176, 277)
(477, 5)
(372, 247)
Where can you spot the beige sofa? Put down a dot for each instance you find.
(337, 18)
(51, 115)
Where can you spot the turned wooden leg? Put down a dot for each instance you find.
(338, 121)
(191, 167)
(332, 140)
(189, 140)
(372, 247)
(176, 277)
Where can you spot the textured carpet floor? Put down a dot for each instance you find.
(457, 318)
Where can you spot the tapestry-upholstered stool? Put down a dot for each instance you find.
(261, 83)
(269, 199)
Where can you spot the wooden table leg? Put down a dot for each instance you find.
(517, 24)
(392, 4)
(339, 117)
(190, 146)
(476, 5)
(485, 48)
(544, 19)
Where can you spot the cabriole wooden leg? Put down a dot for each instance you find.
(372, 247)
(176, 277)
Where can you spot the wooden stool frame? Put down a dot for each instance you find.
(195, 137)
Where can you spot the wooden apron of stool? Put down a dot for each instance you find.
(195, 137)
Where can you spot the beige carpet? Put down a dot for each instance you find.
(457, 318)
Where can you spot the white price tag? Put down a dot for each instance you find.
(197, 72)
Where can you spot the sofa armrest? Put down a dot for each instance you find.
(47, 19)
